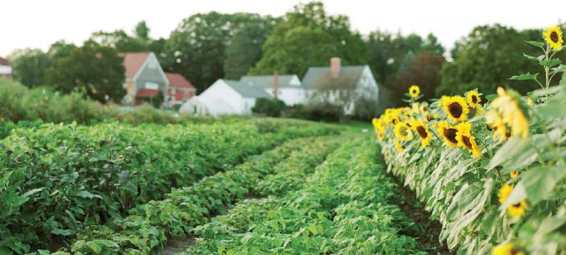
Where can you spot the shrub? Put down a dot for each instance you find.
(269, 107)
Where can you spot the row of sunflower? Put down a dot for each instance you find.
(491, 169)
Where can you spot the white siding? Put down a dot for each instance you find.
(221, 99)
(5, 70)
(289, 95)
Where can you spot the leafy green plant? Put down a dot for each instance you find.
(58, 180)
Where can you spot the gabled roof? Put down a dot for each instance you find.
(266, 81)
(246, 90)
(178, 81)
(321, 77)
(4, 62)
(133, 62)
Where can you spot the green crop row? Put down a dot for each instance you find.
(509, 195)
(57, 179)
(338, 210)
(150, 225)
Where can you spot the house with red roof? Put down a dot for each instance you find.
(180, 89)
(5, 68)
(145, 80)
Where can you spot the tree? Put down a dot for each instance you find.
(296, 52)
(323, 37)
(486, 58)
(141, 31)
(122, 42)
(30, 66)
(244, 50)
(94, 68)
(422, 69)
(197, 48)
(390, 53)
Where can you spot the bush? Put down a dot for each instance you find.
(317, 112)
(269, 107)
(18, 103)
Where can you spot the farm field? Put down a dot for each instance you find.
(281, 186)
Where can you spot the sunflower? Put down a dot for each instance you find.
(399, 147)
(504, 193)
(514, 174)
(553, 37)
(414, 91)
(466, 139)
(448, 133)
(403, 131)
(509, 110)
(421, 129)
(473, 99)
(455, 107)
(379, 128)
(495, 122)
(517, 210)
(506, 249)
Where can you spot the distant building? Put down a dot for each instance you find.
(287, 88)
(347, 86)
(194, 107)
(180, 89)
(226, 97)
(5, 68)
(145, 80)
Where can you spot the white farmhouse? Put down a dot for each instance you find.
(286, 88)
(5, 68)
(227, 97)
(348, 86)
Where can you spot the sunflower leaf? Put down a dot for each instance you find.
(530, 57)
(524, 77)
(550, 62)
(536, 44)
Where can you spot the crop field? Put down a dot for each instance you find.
(462, 174)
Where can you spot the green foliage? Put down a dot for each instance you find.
(487, 57)
(17, 103)
(96, 69)
(185, 207)
(197, 48)
(338, 209)
(62, 180)
(462, 192)
(290, 48)
(269, 107)
(30, 66)
(389, 54)
(244, 50)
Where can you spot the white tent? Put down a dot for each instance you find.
(193, 106)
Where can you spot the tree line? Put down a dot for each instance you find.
(207, 46)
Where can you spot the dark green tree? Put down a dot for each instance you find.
(391, 53)
(486, 58)
(92, 68)
(197, 48)
(141, 31)
(326, 36)
(244, 50)
(30, 66)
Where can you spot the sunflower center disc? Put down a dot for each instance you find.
(455, 109)
(554, 36)
(450, 134)
(422, 132)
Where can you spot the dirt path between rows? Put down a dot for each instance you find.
(428, 230)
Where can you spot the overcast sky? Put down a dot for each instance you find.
(38, 23)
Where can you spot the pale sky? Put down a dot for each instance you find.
(38, 23)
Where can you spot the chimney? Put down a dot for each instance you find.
(275, 84)
(335, 67)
